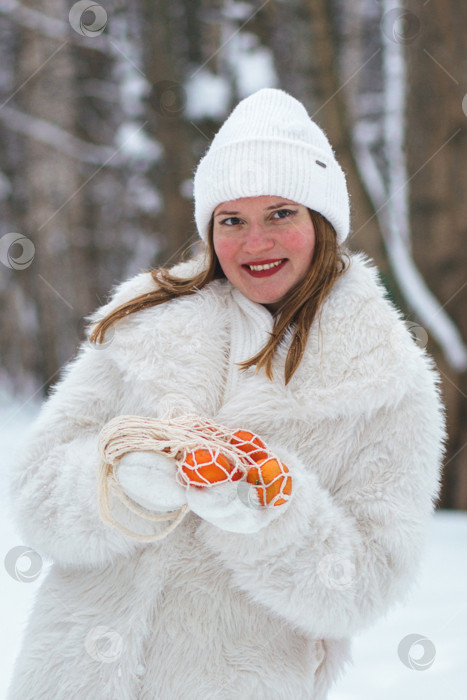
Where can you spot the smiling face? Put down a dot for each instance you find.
(264, 245)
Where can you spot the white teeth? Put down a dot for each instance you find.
(265, 267)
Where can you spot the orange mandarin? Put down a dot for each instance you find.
(202, 467)
(271, 478)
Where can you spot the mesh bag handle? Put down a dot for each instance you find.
(179, 437)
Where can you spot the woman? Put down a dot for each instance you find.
(279, 330)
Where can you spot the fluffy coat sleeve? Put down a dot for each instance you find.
(53, 483)
(338, 557)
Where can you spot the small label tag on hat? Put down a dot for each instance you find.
(320, 162)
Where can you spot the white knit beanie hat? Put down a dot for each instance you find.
(270, 146)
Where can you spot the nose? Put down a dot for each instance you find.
(257, 239)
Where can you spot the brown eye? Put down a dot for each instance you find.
(231, 218)
(286, 212)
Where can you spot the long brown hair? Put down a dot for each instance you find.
(303, 301)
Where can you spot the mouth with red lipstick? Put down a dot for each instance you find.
(264, 268)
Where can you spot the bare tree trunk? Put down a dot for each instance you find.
(165, 65)
(56, 278)
(17, 312)
(305, 46)
(437, 153)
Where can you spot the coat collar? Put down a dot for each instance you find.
(250, 327)
(359, 355)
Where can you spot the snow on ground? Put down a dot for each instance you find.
(436, 611)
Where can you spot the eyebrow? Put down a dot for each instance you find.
(273, 206)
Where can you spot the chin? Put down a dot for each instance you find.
(270, 304)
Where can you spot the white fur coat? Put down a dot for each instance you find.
(206, 614)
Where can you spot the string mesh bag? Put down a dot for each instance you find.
(206, 454)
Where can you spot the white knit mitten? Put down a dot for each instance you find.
(233, 506)
(149, 479)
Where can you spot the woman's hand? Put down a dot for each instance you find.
(214, 490)
(240, 506)
(149, 479)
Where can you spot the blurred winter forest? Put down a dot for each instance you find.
(106, 108)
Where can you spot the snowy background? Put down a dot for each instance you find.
(437, 609)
